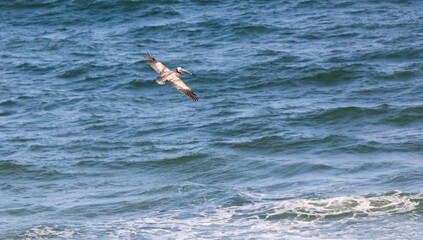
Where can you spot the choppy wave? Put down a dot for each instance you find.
(48, 232)
(290, 218)
(307, 110)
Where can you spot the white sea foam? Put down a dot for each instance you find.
(43, 232)
(389, 216)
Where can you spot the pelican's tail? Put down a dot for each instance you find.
(160, 80)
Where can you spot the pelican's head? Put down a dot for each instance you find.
(181, 70)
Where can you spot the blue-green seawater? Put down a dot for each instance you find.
(309, 123)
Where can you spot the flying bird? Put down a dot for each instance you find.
(168, 75)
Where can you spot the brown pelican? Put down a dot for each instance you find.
(171, 76)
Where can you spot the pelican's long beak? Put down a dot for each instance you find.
(185, 71)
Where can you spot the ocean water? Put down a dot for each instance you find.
(309, 123)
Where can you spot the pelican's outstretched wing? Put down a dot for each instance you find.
(156, 65)
(183, 88)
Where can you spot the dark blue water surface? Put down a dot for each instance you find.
(309, 123)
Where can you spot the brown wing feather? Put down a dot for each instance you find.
(156, 65)
(183, 88)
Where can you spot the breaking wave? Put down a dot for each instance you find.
(266, 218)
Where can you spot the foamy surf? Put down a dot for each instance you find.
(43, 232)
(344, 216)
